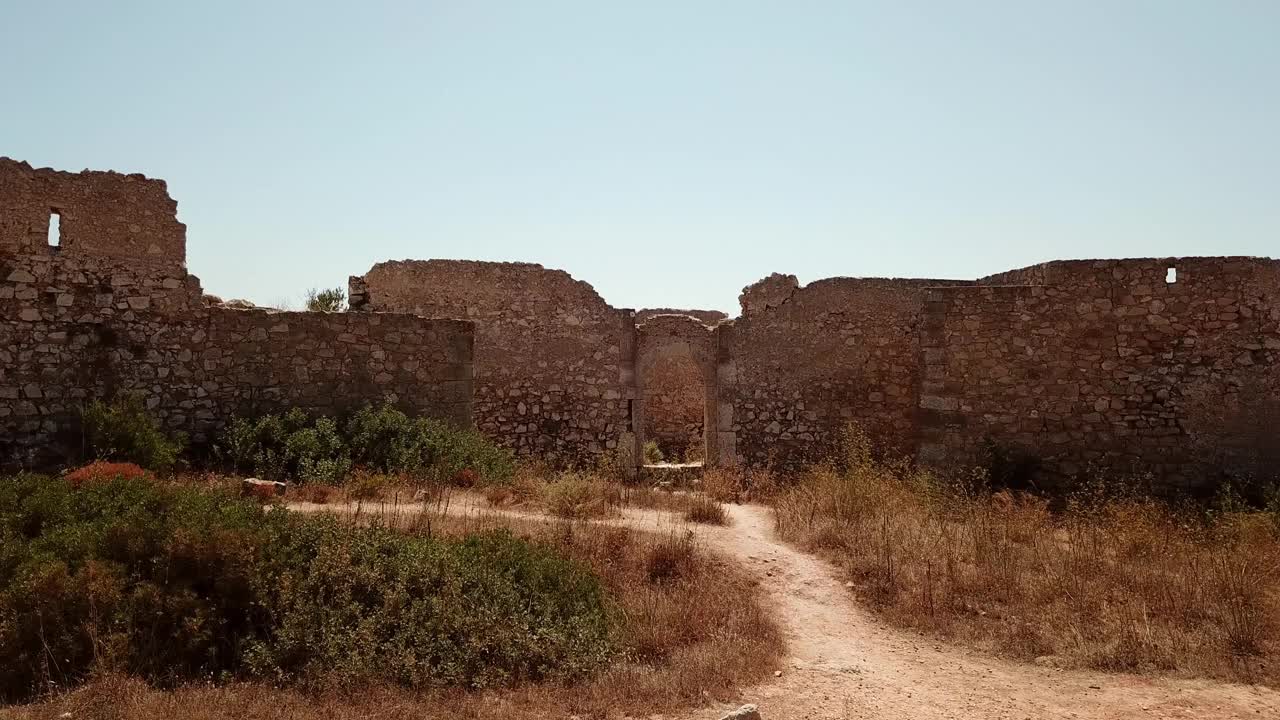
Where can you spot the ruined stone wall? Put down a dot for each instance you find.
(706, 317)
(811, 360)
(554, 374)
(113, 310)
(1104, 363)
(101, 215)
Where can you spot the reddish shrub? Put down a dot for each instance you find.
(102, 471)
(465, 478)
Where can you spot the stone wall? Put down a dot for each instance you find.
(1076, 363)
(1104, 363)
(101, 215)
(91, 318)
(554, 373)
(810, 360)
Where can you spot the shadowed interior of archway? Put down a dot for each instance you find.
(675, 406)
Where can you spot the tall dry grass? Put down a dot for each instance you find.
(690, 630)
(580, 495)
(1113, 582)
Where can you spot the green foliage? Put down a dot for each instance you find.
(178, 584)
(123, 431)
(652, 453)
(288, 446)
(293, 446)
(329, 300)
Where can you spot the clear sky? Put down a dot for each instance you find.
(669, 153)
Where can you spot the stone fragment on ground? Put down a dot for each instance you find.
(746, 712)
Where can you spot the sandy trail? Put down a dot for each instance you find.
(844, 663)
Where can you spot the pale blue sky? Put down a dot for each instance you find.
(669, 153)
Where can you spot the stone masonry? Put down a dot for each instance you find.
(1168, 366)
(111, 308)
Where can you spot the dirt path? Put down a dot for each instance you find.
(844, 663)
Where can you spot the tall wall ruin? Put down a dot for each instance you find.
(553, 364)
(111, 308)
(1168, 366)
(1079, 364)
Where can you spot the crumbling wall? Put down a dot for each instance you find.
(554, 363)
(101, 215)
(1106, 364)
(706, 317)
(811, 360)
(113, 309)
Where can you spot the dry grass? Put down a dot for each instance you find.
(707, 511)
(739, 485)
(1109, 584)
(693, 630)
(579, 496)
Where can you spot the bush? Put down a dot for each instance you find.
(123, 431)
(575, 497)
(706, 510)
(386, 439)
(293, 446)
(101, 471)
(330, 300)
(175, 584)
(652, 453)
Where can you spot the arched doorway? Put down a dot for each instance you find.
(673, 389)
(680, 391)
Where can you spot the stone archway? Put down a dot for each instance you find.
(661, 339)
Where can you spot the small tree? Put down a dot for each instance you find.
(331, 300)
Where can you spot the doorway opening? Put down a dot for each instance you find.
(674, 425)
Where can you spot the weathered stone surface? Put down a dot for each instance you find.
(89, 318)
(1080, 363)
(552, 358)
(253, 487)
(746, 712)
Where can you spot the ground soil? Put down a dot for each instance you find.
(844, 663)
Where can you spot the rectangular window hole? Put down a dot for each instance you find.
(55, 228)
(1171, 276)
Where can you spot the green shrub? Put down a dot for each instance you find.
(295, 447)
(329, 300)
(386, 439)
(123, 431)
(289, 446)
(177, 584)
(652, 453)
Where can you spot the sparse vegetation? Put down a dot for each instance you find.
(580, 495)
(739, 484)
(707, 511)
(1115, 581)
(652, 453)
(122, 431)
(328, 300)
